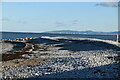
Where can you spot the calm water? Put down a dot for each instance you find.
(14, 35)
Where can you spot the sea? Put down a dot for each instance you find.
(14, 35)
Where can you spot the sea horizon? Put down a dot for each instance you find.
(15, 35)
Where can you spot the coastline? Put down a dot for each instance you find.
(49, 51)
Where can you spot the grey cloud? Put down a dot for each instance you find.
(63, 24)
(22, 22)
(60, 24)
(7, 19)
(4, 19)
(108, 4)
(75, 22)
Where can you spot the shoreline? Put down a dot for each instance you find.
(49, 51)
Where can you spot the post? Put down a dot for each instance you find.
(117, 38)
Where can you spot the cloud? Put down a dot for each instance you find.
(63, 24)
(75, 22)
(108, 4)
(22, 22)
(60, 24)
(4, 19)
(7, 20)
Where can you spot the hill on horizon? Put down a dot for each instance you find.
(82, 32)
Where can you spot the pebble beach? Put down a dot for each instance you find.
(59, 57)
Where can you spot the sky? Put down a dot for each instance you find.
(51, 16)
